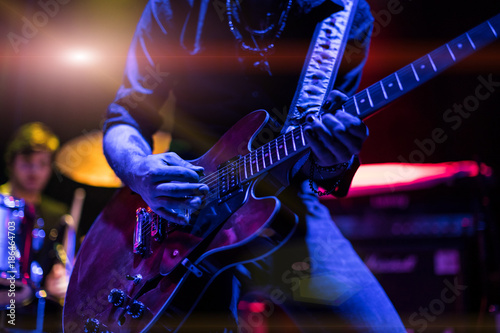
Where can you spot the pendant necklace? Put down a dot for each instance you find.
(265, 51)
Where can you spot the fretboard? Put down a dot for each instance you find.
(373, 98)
(272, 153)
(378, 95)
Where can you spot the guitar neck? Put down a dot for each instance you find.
(368, 101)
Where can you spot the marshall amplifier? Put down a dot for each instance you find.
(423, 246)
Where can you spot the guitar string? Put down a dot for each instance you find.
(258, 159)
(259, 153)
(214, 178)
(213, 192)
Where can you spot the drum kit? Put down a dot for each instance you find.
(81, 160)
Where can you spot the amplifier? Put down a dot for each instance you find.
(422, 247)
(443, 211)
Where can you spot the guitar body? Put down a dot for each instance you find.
(172, 277)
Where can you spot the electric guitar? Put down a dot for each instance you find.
(136, 272)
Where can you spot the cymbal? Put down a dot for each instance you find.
(82, 159)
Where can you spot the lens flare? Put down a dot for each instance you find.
(81, 57)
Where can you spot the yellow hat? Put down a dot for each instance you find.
(29, 138)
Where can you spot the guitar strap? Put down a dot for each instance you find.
(322, 63)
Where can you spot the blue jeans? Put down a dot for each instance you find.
(316, 278)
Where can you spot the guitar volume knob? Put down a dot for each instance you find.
(136, 309)
(116, 297)
(92, 326)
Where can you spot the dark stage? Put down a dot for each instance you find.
(433, 244)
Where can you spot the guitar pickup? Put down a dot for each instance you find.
(228, 175)
(142, 233)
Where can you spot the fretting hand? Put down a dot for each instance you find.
(335, 136)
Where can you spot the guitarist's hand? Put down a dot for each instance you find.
(166, 183)
(336, 136)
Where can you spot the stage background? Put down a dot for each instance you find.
(38, 84)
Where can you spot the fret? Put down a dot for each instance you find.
(442, 58)
(356, 104)
(362, 101)
(369, 97)
(470, 41)
(492, 29)
(248, 165)
(377, 95)
(302, 136)
(461, 47)
(256, 160)
(399, 82)
(245, 167)
(284, 145)
(432, 62)
(297, 138)
(278, 158)
(407, 78)
(241, 169)
(414, 72)
(273, 150)
(451, 52)
(484, 33)
(251, 163)
(391, 86)
(281, 147)
(424, 68)
(383, 90)
(263, 158)
(259, 159)
(268, 154)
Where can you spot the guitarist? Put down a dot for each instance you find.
(221, 60)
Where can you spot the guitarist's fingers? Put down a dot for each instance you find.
(352, 124)
(172, 216)
(350, 134)
(180, 190)
(177, 203)
(327, 149)
(174, 159)
(334, 101)
(168, 173)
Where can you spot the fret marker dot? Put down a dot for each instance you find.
(422, 66)
(390, 85)
(459, 45)
(281, 146)
(362, 100)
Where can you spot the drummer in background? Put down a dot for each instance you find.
(29, 156)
